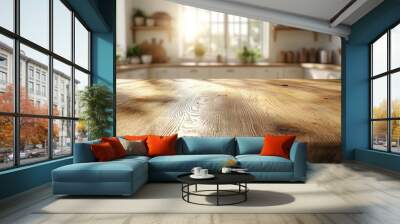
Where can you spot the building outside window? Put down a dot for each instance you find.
(221, 34)
(385, 92)
(56, 131)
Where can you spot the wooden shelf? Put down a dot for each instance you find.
(279, 28)
(166, 29)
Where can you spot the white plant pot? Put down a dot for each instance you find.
(150, 22)
(139, 21)
(146, 59)
(134, 60)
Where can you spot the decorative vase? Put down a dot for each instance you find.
(139, 21)
(134, 60)
(147, 58)
(150, 22)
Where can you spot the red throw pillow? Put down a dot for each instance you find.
(103, 152)
(278, 145)
(116, 145)
(135, 137)
(161, 145)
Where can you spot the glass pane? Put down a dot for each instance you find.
(35, 21)
(379, 56)
(34, 97)
(62, 89)
(6, 142)
(33, 140)
(379, 97)
(62, 29)
(7, 14)
(395, 94)
(62, 138)
(81, 82)
(81, 131)
(395, 47)
(81, 45)
(379, 135)
(395, 138)
(6, 74)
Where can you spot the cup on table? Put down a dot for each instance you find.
(196, 171)
(226, 170)
(203, 172)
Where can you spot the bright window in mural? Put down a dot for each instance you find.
(218, 33)
(40, 124)
(385, 94)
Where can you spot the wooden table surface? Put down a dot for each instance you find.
(310, 109)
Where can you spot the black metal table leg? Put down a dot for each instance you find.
(217, 194)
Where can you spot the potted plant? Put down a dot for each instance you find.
(199, 51)
(133, 53)
(139, 17)
(150, 21)
(247, 55)
(96, 104)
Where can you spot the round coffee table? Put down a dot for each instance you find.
(238, 179)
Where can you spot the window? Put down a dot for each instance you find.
(7, 14)
(46, 75)
(81, 45)
(385, 94)
(7, 74)
(221, 34)
(62, 29)
(35, 21)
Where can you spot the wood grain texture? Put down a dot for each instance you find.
(310, 109)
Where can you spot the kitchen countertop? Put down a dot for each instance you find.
(128, 67)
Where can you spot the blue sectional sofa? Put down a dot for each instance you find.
(125, 176)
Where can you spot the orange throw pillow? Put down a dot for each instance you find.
(135, 137)
(278, 145)
(161, 145)
(103, 152)
(116, 145)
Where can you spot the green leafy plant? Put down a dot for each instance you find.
(96, 104)
(139, 13)
(247, 55)
(134, 51)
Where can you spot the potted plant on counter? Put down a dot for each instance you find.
(199, 51)
(247, 55)
(133, 53)
(139, 18)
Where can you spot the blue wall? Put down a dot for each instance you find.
(355, 84)
(100, 16)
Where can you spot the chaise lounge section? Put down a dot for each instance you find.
(125, 176)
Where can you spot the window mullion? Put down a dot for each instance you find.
(389, 104)
(16, 84)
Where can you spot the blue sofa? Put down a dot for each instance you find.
(125, 176)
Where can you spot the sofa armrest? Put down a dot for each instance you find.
(83, 152)
(298, 155)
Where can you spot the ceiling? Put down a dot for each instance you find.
(320, 9)
(326, 16)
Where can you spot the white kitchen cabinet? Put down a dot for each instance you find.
(291, 73)
(268, 72)
(163, 73)
(141, 73)
(193, 72)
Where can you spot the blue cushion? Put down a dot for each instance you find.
(206, 145)
(111, 171)
(257, 163)
(249, 145)
(83, 153)
(185, 163)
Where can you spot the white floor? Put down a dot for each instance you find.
(377, 190)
